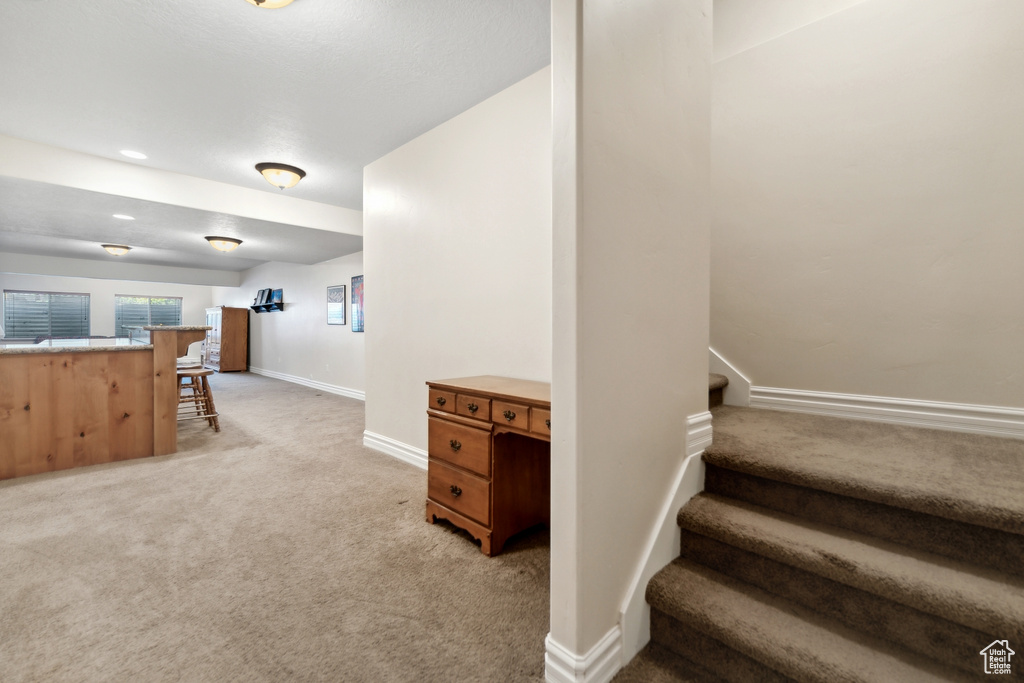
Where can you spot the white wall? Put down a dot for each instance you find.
(457, 243)
(632, 89)
(867, 203)
(297, 341)
(195, 298)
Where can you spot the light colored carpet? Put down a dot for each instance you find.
(280, 549)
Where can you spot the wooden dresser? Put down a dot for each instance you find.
(227, 342)
(489, 447)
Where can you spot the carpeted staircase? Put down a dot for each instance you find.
(825, 549)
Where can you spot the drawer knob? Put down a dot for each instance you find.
(441, 400)
(547, 423)
(473, 407)
(456, 491)
(509, 415)
(455, 445)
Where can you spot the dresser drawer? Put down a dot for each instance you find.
(540, 421)
(473, 406)
(460, 445)
(442, 400)
(461, 491)
(511, 414)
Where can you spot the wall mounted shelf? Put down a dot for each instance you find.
(267, 308)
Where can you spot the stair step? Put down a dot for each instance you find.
(658, 664)
(789, 638)
(716, 389)
(970, 543)
(937, 639)
(963, 477)
(984, 600)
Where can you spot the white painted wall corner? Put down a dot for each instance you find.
(598, 665)
(663, 544)
(396, 449)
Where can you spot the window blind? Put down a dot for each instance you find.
(144, 310)
(45, 314)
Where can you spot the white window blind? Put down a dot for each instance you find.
(145, 310)
(45, 314)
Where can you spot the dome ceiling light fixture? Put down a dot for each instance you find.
(269, 4)
(116, 249)
(281, 175)
(223, 243)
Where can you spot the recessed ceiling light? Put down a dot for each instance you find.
(223, 243)
(124, 217)
(133, 155)
(116, 249)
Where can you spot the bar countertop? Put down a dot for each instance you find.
(106, 348)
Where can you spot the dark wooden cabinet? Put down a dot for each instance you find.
(489, 451)
(227, 341)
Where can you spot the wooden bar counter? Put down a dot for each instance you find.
(70, 406)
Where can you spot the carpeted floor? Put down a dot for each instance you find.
(279, 549)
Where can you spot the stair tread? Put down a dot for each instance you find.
(789, 638)
(716, 381)
(965, 477)
(657, 664)
(982, 599)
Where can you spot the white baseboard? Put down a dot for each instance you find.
(598, 665)
(311, 383)
(737, 392)
(975, 419)
(396, 449)
(663, 544)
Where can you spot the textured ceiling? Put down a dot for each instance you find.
(209, 88)
(41, 218)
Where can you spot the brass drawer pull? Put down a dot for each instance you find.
(455, 445)
(456, 491)
(509, 415)
(441, 400)
(473, 407)
(547, 423)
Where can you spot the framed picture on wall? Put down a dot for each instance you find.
(357, 303)
(336, 305)
(277, 296)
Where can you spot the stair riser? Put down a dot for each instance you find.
(718, 658)
(936, 638)
(983, 546)
(715, 398)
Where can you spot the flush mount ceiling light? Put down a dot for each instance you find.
(124, 216)
(116, 249)
(133, 155)
(281, 175)
(223, 243)
(269, 4)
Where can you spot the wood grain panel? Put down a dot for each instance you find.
(165, 392)
(92, 445)
(64, 410)
(14, 418)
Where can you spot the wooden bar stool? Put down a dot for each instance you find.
(198, 402)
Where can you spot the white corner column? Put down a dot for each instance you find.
(631, 216)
